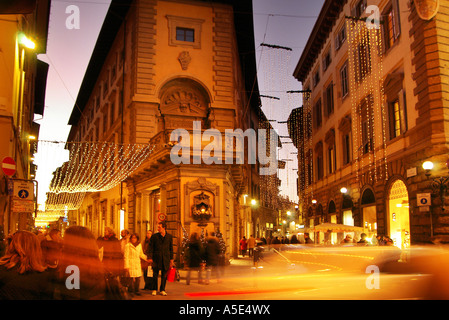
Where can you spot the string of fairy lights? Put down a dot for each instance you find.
(276, 106)
(308, 143)
(367, 100)
(91, 167)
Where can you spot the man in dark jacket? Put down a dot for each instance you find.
(160, 255)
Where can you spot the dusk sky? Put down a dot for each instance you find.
(286, 23)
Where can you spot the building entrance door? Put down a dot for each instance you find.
(399, 215)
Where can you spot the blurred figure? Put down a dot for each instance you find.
(124, 277)
(347, 239)
(387, 241)
(22, 273)
(363, 239)
(276, 240)
(80, 250)
(51, 248)
(148, 279)
(125, 236)
(113, 262)
(251, 243)
(243, 246)
(194, 257)
(41, 235)
(307, 239)
(211, 254)
(133, 254)
(258, 253)
(376, 240)
(294, 239)
(2, 242)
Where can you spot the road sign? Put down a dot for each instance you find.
(23, 190)
(8, 166)
(423, 199)
(22, 206)
(23, 194)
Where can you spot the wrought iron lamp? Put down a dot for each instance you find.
(439, 185)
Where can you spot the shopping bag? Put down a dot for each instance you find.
(171, 275)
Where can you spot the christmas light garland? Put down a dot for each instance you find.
(92, 167)
(367, 100)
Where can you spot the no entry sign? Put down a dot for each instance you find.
(8, 166)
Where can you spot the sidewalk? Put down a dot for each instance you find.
(179, 290)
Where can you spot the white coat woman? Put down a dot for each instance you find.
(133, 254)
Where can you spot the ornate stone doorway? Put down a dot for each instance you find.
(399, 214)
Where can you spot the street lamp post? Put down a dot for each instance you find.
(439, 185)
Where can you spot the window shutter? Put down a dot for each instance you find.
(396, 18)
(403, 110)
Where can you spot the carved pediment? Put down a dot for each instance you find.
(183, 101)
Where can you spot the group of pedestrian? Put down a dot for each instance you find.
(78, 266)
(129, 259)
(247, 245)
(205, 257)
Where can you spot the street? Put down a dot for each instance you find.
(321, 273)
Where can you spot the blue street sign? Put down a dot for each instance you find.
(23, 194)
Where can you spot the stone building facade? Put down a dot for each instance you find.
(374, 110)
(24, 30)
(158, 67)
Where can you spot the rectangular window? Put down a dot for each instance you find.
(317, 114)
(397, 110)
(360, 8)
(319, 166)
(366, 137)
(185, 34)
(344, 81)
(340, 37)
(331, 159)
(367, 125)
(391, 25)
(112, 117)
(106, 86)
(329, 100)
(362, 56)
(396, 115)
(105, 120)
(346, 148)
(316, 77)
(327, 60)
